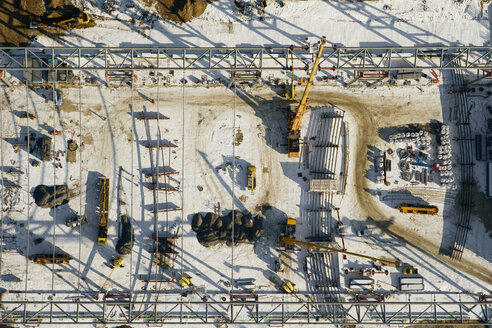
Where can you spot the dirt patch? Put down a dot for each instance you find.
(17, 15)
(68, 106)
(88, 140)
(179, 11)
(14, 24)
(239, 137)
(35, 7)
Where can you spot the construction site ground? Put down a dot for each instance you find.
(213, 133)
(201, 124)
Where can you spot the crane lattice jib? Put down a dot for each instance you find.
(296, 122)
(291, 241)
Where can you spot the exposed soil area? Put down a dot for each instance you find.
(14, 23)
(179, 11)
(16, 16)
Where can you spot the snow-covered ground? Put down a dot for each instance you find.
(348, 23)
(203, 123)
(200, 124)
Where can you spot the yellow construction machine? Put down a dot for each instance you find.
(294, 242)
(294, 125)
(83, 18)
(251, 177)
(117, 262)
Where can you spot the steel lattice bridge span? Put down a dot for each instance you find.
(78, 312)
(249, 58)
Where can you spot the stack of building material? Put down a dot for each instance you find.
(411, 284)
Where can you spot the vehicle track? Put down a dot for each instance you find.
(364, 115)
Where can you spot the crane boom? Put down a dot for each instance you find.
(295, 122)
(291, 241)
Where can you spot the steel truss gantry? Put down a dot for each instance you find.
(248, 58)
(249, 313)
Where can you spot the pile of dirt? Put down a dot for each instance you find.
(179, 11)
(34, 7)
(125, 243)
(51, 196)
(212, 229)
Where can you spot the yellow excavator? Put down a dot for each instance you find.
(81, 19)
(295, 242)
(294, 125)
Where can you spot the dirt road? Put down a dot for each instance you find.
(370, 114)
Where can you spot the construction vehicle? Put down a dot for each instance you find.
(418, 209)
(76, 221)
(49, 259)
(291, 241)
(81, 19)
(409, 270)
(103, 211)
(290, 232)
(117, 262)
(251, 177)
(185, 282)
(294, 125)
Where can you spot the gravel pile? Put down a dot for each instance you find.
(212, 229)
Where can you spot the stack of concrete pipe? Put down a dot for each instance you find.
(444, 155)
(419, 137)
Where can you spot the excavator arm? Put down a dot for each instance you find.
(295, 123)
(295, 242)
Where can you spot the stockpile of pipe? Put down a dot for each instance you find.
(380, 169)
(419, 137)
(444, 156)
(212, 229)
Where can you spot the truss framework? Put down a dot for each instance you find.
(247, 58)
(184, 312)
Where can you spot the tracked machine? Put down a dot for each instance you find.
(295, 119)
